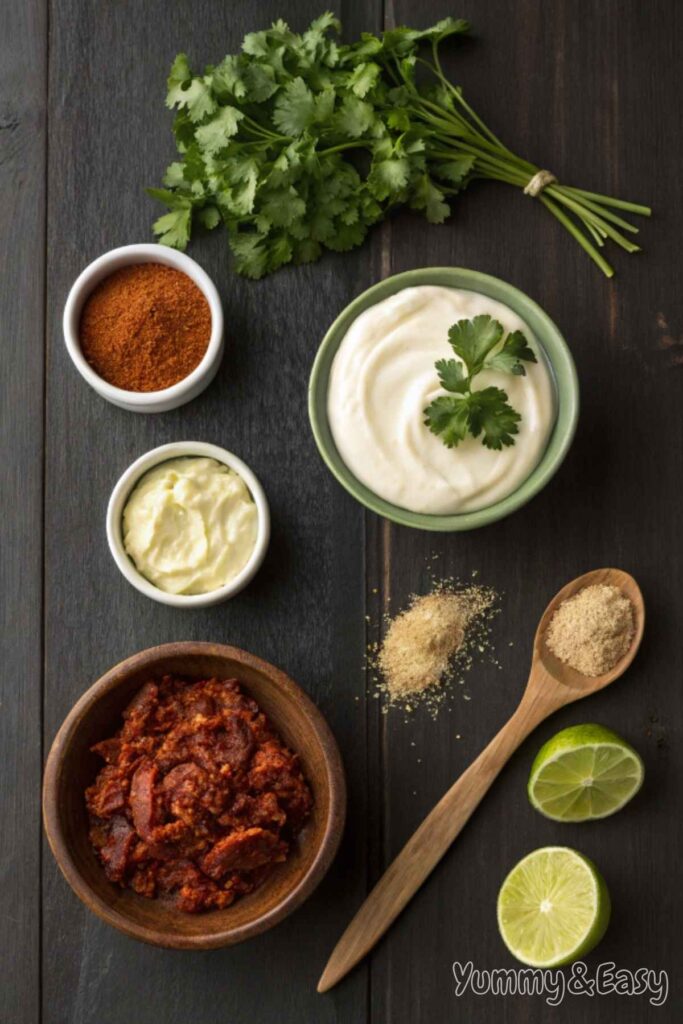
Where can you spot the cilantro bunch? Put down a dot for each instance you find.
(487, 412)
(300, 143)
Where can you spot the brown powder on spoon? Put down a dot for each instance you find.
(592, 630)
(422, 641)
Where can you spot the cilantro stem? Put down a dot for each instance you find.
(358, 144)
(598, 236)
(607, 270)
(619, 204)
(588, 216)
(459, 98)
(262, 130)
(590, 205)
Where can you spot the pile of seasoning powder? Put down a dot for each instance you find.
(431, 640)
(592, 630)
(145, 327)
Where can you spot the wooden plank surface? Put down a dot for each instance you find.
(110, 136)
(22, 278)
(569, 85)
(588, 88)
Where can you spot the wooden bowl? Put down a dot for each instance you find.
(71, 767)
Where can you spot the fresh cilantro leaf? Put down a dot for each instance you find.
(294, 108)
(227, 77)
(242, 167)
(214, 135)
(346, 236)
(426, 196)
(251, 254)
(256, 44)
(279, 251)
(452, 375)
(209, 217)
(491, 413)
(448, 418)
(324, 104)
(509, 358)
(407, 66)
(306, 251)
(369, 46)
(282, 206)
(353, 118)
(363, 78)
(179, 77)
(325, 22)
(258, 82)
(456, 170)
(388, 176)
(174, 200)
(264, 44)
(314, 41)
(183, 130)
(194, 166)
(238, 200)
(399, 118)
(174, 228)
(486, 412)
(321, 226)
(174, 174)
(400, 41)
(472, 340)
(197, 99)
(444, 28)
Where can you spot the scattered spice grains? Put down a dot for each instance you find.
(592, 630)
(145, 327)
(431, 641)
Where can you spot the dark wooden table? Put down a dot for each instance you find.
(590, 89)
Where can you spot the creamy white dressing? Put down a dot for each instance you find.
(382, 379)
(190, 525)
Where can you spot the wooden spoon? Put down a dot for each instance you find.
(551, 685)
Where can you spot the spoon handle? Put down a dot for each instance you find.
(427, 845)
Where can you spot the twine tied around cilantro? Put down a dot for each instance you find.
(538, 182)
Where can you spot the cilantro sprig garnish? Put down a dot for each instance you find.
(299, 143)
(486, 412)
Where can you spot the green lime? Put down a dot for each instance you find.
(553, 907)
(584, 772)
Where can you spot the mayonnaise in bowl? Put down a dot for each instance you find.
(190, 525)
(383, 377)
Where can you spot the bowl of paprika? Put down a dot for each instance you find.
(143, 325)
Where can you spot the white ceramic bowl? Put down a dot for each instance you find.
(119, 497)
(145, 401)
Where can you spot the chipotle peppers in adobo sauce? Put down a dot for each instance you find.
(199, 798)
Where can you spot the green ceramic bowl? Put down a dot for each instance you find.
(547, 336)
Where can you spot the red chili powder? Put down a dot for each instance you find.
(145, 327)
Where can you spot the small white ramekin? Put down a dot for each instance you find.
(119, 497)
(145, 401)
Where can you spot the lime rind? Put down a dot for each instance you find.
(584, 773)
(553, 907)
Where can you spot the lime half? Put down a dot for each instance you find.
(584, 772)
(553, 907)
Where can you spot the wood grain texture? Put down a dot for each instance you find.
(22, 276)
(551, 686)
(588, 88)
(590, 91)
(110, 135)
